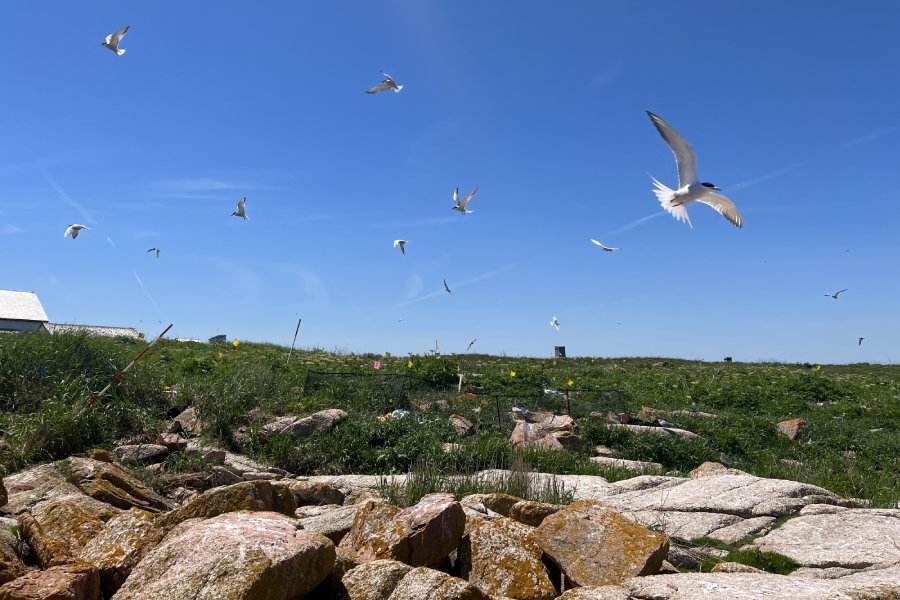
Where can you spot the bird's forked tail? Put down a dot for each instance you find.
(666, 197)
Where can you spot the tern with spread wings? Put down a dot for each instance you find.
(461, 204)
(689, 186)
(113, 40)
(387, 84)
(605, 248)
(241, 209)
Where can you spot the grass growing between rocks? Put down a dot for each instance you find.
(519, 480)
(851, 446)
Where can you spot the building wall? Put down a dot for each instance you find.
(15, 325)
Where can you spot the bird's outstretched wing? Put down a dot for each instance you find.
(447, 287)
(113, 39)
(684, 153)
(384, 85)
(596, 243)
(462, 203)
(724, 207)
(840, 292)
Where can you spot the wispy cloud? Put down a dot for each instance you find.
(414, 222)
(311, 283)
(203, 187)
(869, 137)
(414, 285)
(606, 75)
(41, 163)
(9, 230)
(636, 223)
(146, 291)
(111, 243)
(458, 284)
(776, 173)
(65, 197)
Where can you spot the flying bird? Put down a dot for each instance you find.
(689, 187)
(461, 204)
(402, 244)
(472, 343)
(605, 248)
(154, 250)
(114, 39)
(241, 212)
(387, 84)
(860, 341)
(74, 229)
(554, 323)
(447, 287)
(837, 293)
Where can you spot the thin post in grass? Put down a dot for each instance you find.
(115, 380)
(499, 423)
(296, 331)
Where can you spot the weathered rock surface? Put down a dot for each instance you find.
(247, 555)
(850, 538)
(334, 523)
(305, 427)
(419, 535)
(3, 495)
(370, 519)
(374, 580)
(11, 565)
(881, 584)
(792, 429)
(502, 557)
(42, 483)
(533, 435)
(189, 420)
(594, 545)
(141, 454)
(713, 468)
(733, 567)
(392, 580)
(172, 441)
(741, 495)
(427, 584)
(246, 496)
(113, 485)
(315, 492)
(672, 432)
(120, 545)
(75, 581)
(57, 529)
(622, 463)
(461, 425)
(533, 513)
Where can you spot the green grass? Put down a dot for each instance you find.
(851, 446)
(520, 481)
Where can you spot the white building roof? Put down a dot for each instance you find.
(21, 306)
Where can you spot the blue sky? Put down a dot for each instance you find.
(791, 108)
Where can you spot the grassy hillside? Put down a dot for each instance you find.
(852, 446)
